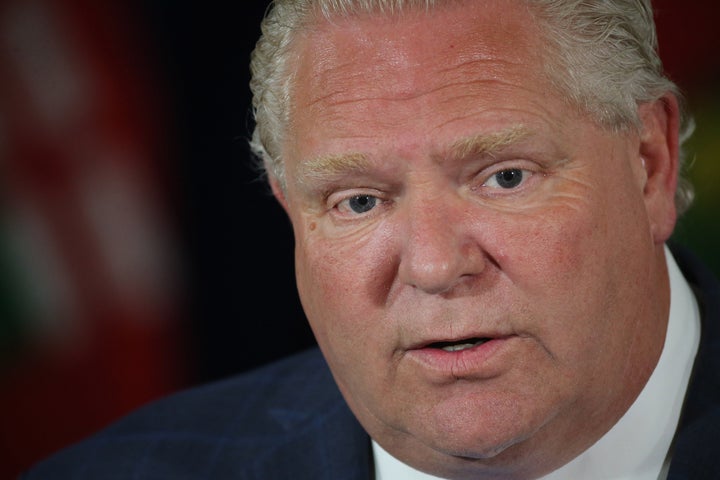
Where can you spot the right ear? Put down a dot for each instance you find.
(278, 192)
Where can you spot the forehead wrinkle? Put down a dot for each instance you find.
(479, 63)
(452, 77)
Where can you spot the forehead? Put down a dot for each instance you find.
(337, 58)
(392, 83)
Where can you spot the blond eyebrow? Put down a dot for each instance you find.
(326, 167)
(487, 143)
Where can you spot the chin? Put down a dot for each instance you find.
(476, 447)
(481, 426)
(493, 462)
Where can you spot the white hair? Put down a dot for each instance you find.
(602, 56)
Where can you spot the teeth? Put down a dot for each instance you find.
(462, 346)
(457, 348)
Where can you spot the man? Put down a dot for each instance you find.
(481, 194)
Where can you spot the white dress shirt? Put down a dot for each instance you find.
(637, 447)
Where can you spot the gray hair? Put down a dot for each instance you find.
(605, 61)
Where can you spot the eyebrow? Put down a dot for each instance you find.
(486, 143)
(327, 167)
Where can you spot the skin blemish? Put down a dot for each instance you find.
(313, 226)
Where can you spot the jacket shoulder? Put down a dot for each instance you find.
(226, 429)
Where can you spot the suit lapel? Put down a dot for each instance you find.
(331, 447)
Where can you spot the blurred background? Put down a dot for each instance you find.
(139, 253)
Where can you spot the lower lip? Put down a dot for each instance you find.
(478, 362)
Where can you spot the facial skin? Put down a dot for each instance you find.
(441, 191)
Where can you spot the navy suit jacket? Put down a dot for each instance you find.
(288, 421)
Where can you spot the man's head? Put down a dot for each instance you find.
(601, 55)
(480, 207)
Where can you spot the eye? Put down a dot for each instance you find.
(358, 204)
(508, 179)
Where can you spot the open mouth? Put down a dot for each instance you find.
(459, 345)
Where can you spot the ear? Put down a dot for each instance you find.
(659, 156)
(278, 192)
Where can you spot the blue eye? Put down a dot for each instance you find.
(507, 179)
(362, 203)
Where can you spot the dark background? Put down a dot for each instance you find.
(238, 242)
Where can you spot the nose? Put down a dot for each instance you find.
(439, 250)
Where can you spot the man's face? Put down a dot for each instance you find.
(476, 258)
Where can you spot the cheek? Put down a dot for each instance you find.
(550, 250)
(341, 284)
(571, 268)
(577, 236)
(555, 264)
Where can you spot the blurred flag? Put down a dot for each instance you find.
(89, 307)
